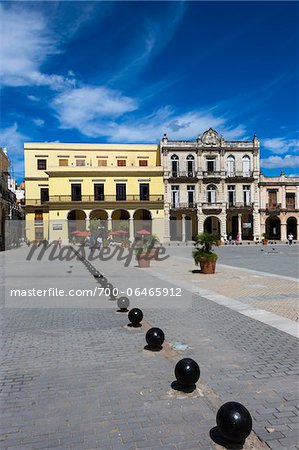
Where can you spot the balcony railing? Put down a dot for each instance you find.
(92, 198)
(185, 205)
(212, 205)
(184, 174)
(240, 205)
(212, 174)
(291, 206)
(237, 174)
(273, 206)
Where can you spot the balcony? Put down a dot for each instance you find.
(291, 206)
(183, 205)
(181, 176)
(236, 205)
(213, 174)
(91, 198)
(239, 174)
(214, 205)
(273, 206)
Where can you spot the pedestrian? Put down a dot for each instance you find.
(99, 242)
(290, 238)
(59, 242)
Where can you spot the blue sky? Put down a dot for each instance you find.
(130, 71)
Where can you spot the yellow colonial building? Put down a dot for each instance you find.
(70, 185)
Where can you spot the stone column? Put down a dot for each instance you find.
(283, 231)
(183, 228)
(239, 235)
(131, 229)
(166, 225)
(109, 221)
(297, 238)
(256, 226)
(200, 221)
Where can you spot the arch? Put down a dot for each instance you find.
(246, 166)
(174, 165)
(190, 165)
(76, 222)
(98, 222)
(98, 214)
(273, 227)
(120, 220)
(212, 225)
(231, 165)
(211, 193)
(292, 227)
(142, 220)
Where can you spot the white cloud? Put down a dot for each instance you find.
(26, 43)
(13, 140)
(274, 162)
(32, 98)
(39, 122)
(89, 107)
(280, 146)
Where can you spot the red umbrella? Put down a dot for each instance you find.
(121, 232)
(83, 233)
(113, 233)
(143, 232)
(76, 232)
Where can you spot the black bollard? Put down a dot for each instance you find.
(123, 304)
(135, 316)
(155, 338)
(234, 422)
(187, 372)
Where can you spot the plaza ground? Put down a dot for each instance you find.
(74, 376)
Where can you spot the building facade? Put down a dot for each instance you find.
(211, 184)
(10, 211)
(175, 190)
(279, 209)
(70, 185)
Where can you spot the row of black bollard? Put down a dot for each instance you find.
(233, 420)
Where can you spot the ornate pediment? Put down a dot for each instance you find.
(210, 138)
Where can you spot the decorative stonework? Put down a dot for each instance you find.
(210, 138)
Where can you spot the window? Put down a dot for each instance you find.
(38, 216)
(121, 162)
(63, 162)
(102, 162)
(174, 166)
(290, 200)
(80, 162)
(230, 166)
(44, 195)
(76, 192)
(99, 192)
(143, 162)
(175, 196)
(41, 164)
(231, 195)
(211, 194)
(246, 195)
(144, 191)
(121, 191)
(246, 166)
(272, 195)
(211, 165)
(190, 166)
(191, 196)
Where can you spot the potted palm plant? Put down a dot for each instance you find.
(203, 253)
(265, 239)
(145, 250)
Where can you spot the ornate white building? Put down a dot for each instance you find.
(211, 184)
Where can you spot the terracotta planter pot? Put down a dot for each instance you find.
(143, 262)
(207, 266)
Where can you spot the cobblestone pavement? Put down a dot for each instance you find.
(270, 293)
(74, 376)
